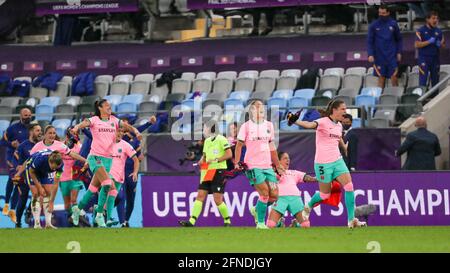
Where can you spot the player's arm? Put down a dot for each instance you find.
(228, 155)
(131, 129)
(84, 124)
(309, 179)
(76, 156)
(275, 159)
(406, 145)
(238, 151)
(36, 182)
(55, 186)
(371, 44)
(307, 124)
(134, 174)
(421, 44)
(343, 145)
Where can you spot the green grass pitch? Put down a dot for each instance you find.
(232, 240)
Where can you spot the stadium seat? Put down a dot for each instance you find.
(338, 71)
(217, 96)
(210, 102)
(101, 89)
(158, 95)
(296, 73)
(271, 73)
(12, 102)
(114, 100)
(366, 101)
(265, 84)
(305, 93)
(181, 86)
(144, 78)
(285, 94)
(176, 97)
(232, 75)
(163, 89)
(189, 76)
(61, 126)
(43, 123)
(379, 123)
(297, 103)
(61, 91)
(244, 84)
(223, 86)
(51, 101)
(395, 91)
(140, 87)
(233, 102)
(352, 81)
(330, 82)
(32, 102)
(127, 109)
(281, 103)
(371, 91)
(65, 111)
(387, 99)
(418, 90)
(133, 98)
(370, 81)
(72, 100)
(240, 95)
(350, 92)
(4, 124)
(346, 99)
(253, 74)
(7, 112)
(148, 108)
(202, 85)
(233, 113)
(263, 96)
(327, 93)
(287, 82)
(286, 128)
(67, 79)
(128, 78)
(359, 70)
(356, 123)
(388, 114)
(406, 111)
(413, 79)
(38, 92)
(320, 101)
(104, 78)
(119, 88)
(85, 109)
(207, 75)
(44, 112)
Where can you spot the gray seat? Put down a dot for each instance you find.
(61, 91)
(351, 92)
(418, 90)
(249, 74)
(223, 85)
(207, 75)
(370, 81)
(101, 89)
(155, 89)
(330, 82)
(158, 95)
(190, 76)
(346, 99)
(208, 102)
(379, 123)
(270, 73)
(413, 79)
(388, 114)
(104, 78)
(395, 91)
(67, 79)
(291, 73)
(124, 78)
(38, 92)
(286, 82)
(264, 96)
(232, 75)
(178, 97)
(320, 101)
(140, 87)
(265, 84)
(12, 102)
(144, 77)
(119, 88)
(72, 100)
(6, 112)
(220, 96)
(67, 109)
(244, 84)
(358, 70)
(387, 99)
(148, 108)
(352, 81)
(337, 71)
(202, 85)
(181, 86)
(331, 93)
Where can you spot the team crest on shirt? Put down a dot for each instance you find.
(391, 28)
(268, 131)
(112, 124)
(120, 150)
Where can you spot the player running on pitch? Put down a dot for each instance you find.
(289, 196)
(328, 162)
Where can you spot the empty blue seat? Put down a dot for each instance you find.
(356, 123)
(61, 126)
(305, 93)
(241, 95)
(286, 128)
(114, 100)
(281, 103)
(372, 91)
(127, 109)
(134, 98)
(44, 112)
(297, 103)
(285, 94)
(52, 101)
(192, 104)
(366, 100)
(232, 102)
(4, 124)
(233, 114)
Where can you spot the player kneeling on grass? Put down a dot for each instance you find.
(213, 164)
(42, 173)
(289, 198)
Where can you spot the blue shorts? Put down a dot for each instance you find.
(386, 70)
(43, 180)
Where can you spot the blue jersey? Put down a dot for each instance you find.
(384, 40)
(39, 163)
(424, 34)
(129, 164)
(23, 151)
(19, 132)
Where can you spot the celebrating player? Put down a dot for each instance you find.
(328, 162)
(43, 181)
(289, 198)
(216, 152)
(257, 134)
(103, 127)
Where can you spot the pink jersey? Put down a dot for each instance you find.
(103, 135)
(121, 151)
(257, 138)
(287, 186)
(328, 134)
(56, 146)
(68, 163)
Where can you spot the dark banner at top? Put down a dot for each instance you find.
(44, 7)
(221, 4)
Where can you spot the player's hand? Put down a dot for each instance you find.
(281, 171)
(152, 119)
(399, 57)
(141, 157)
(292, 118)
(85, 167)
(371, 59)
(42, 192)
(134, 176)
(15, 144)
(138, 136)
(432, 40)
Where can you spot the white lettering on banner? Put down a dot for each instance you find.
(409, 200)
(339, 211)
(446, 203)
(177, 205)
(253, 199)
(379, 203)
(394, 203)
(307, 198)
(165, 211)
(210, 207)
(430, 201)
(236, 203)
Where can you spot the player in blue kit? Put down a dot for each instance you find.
(42, 173)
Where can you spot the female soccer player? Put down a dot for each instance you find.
(122, 151)
(328, 162)
(257, 134)
(39, 172)
(216, 152)
(103, 126)
(289, 198)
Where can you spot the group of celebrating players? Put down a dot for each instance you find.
(268, 171)
(110, 147)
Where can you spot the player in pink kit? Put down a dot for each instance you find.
(103, 126)
(328, 162)
(257, 134)
(289, 196)
(122, 150)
